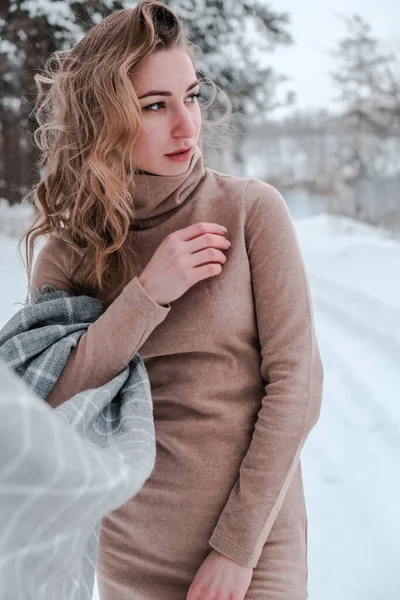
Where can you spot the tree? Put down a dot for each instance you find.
(29, 33)
(234, 36)
(368, 81)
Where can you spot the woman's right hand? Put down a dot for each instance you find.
(175, 265)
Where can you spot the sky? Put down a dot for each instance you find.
(316, 27)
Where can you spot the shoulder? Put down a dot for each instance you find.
(58, 251)
(256, 196)
(262, 198)
(55, 263)
(268, 223)
(252, 189)
(225, 185)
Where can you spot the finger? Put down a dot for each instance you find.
(188, 233)
(209, 255)
(207, 240)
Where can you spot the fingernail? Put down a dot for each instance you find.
(224, 228)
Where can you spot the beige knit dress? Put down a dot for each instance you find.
(236, 379)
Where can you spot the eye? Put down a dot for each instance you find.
(156, 106)
(198, 95)
(150, 106)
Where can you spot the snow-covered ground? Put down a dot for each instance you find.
(351, 459)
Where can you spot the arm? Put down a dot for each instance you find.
(109, 344)
(292, 369)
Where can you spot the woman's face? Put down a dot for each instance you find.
(166, 85)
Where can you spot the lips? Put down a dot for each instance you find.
(179, 151)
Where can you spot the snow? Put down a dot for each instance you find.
(351, 457)
(58, 13)
(350, 460)
(15, 220)
(7, 47)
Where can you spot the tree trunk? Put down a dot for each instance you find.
(10, 187)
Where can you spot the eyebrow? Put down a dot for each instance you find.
(163, 93)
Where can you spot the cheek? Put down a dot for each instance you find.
(147, 137)
(153, 129)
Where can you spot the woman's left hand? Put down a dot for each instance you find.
(220, 578)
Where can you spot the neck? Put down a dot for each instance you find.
(154, 197)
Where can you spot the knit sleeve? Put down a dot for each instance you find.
(291, 367)
(109, 344)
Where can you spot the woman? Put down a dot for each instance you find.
(223, 320)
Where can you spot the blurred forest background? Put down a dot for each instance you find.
(344, 161)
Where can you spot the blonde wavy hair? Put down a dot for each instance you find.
(89, 118)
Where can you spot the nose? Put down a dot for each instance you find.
(183, 125)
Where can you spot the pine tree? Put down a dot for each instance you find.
(28, 34)
(368, 81)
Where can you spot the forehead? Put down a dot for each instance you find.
(165, 70)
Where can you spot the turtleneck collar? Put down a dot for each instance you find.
(156, 195)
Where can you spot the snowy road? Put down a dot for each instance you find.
(351, 459)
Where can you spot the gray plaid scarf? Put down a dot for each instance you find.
(62, 470)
